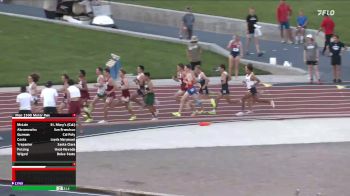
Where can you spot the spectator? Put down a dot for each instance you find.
(311, 57)
(194, 52)
(252, 19)
(50, 9)
(187, 24)
(302, 22)
(335, 49)
(328, 26)
(49, 97)
(283, 13)
(24, 99)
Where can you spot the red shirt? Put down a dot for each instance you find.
(283, 12)
(328, 25)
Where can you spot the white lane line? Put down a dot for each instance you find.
(285, 49)
(274, 50)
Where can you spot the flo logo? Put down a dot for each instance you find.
(324, 12)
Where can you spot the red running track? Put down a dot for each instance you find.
(304, 101)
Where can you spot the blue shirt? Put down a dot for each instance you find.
(301, 20)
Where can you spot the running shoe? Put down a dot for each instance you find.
(339, 81)
(132, 118)
(260, 54)
(213, 103)
(334, 80)
(239, 113)
(200, 112)
(154, 118)
(176, 114)
(272, 104)
(290, 42)
(89, 120)
(249, 112)
(213, 112)
(102, 121)
(283, 41)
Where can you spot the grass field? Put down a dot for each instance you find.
(265, 10)
(30, 46)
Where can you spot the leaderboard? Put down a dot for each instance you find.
(43, 152)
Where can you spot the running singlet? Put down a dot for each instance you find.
(235, 49)
(141, 89)
(191, 90)
(182, 83)
(201, 81)
(84, 92)
(224, 85)
(101, 90)
(30, 91)
(109, 88)
(250, 84)
(125, 92)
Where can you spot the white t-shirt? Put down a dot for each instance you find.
(24, 100)
(49, 96)
(74, 91)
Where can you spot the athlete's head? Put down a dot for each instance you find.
(71, 82)
(122, 73)
(335, 38)
(282, 1)
(140, 69)
(249, 68)
(107, 72)
(82, 73)
(235, 37)
(99, 71)
(189, 9)
(222, 68)
(33, 78)
(23, 89)
(64, 77)
(180, 67)
(197, 69)
(147, 76)
(251, 10)
(188, 67)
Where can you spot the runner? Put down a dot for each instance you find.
(49, 98)
(335, 49)
(327, 26)
(252, 19)
(224, 92)
(74, 104)
(149, 97)
(110, 94)
(24, 99)
(302, 22)
(203, 82)
(194, 52)
(311, 57)
(140, 82)
(100, 95)
(33, 80)
(179, 78)
(251, 81)
(189, 80)
(84, 91)
(236, 50)
(64, 88)
(124, 100)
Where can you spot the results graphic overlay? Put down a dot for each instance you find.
(43, 152)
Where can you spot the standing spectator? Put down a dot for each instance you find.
(50, 9)
(24, 99)
(236, 53)
(311, 57)
(49, 97)
(194, 52)
(328, 26)
(283, 13)
(301, 26)
(335, 49)
(187, 24)
(252, 19)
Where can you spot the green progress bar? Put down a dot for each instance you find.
(44, 188)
